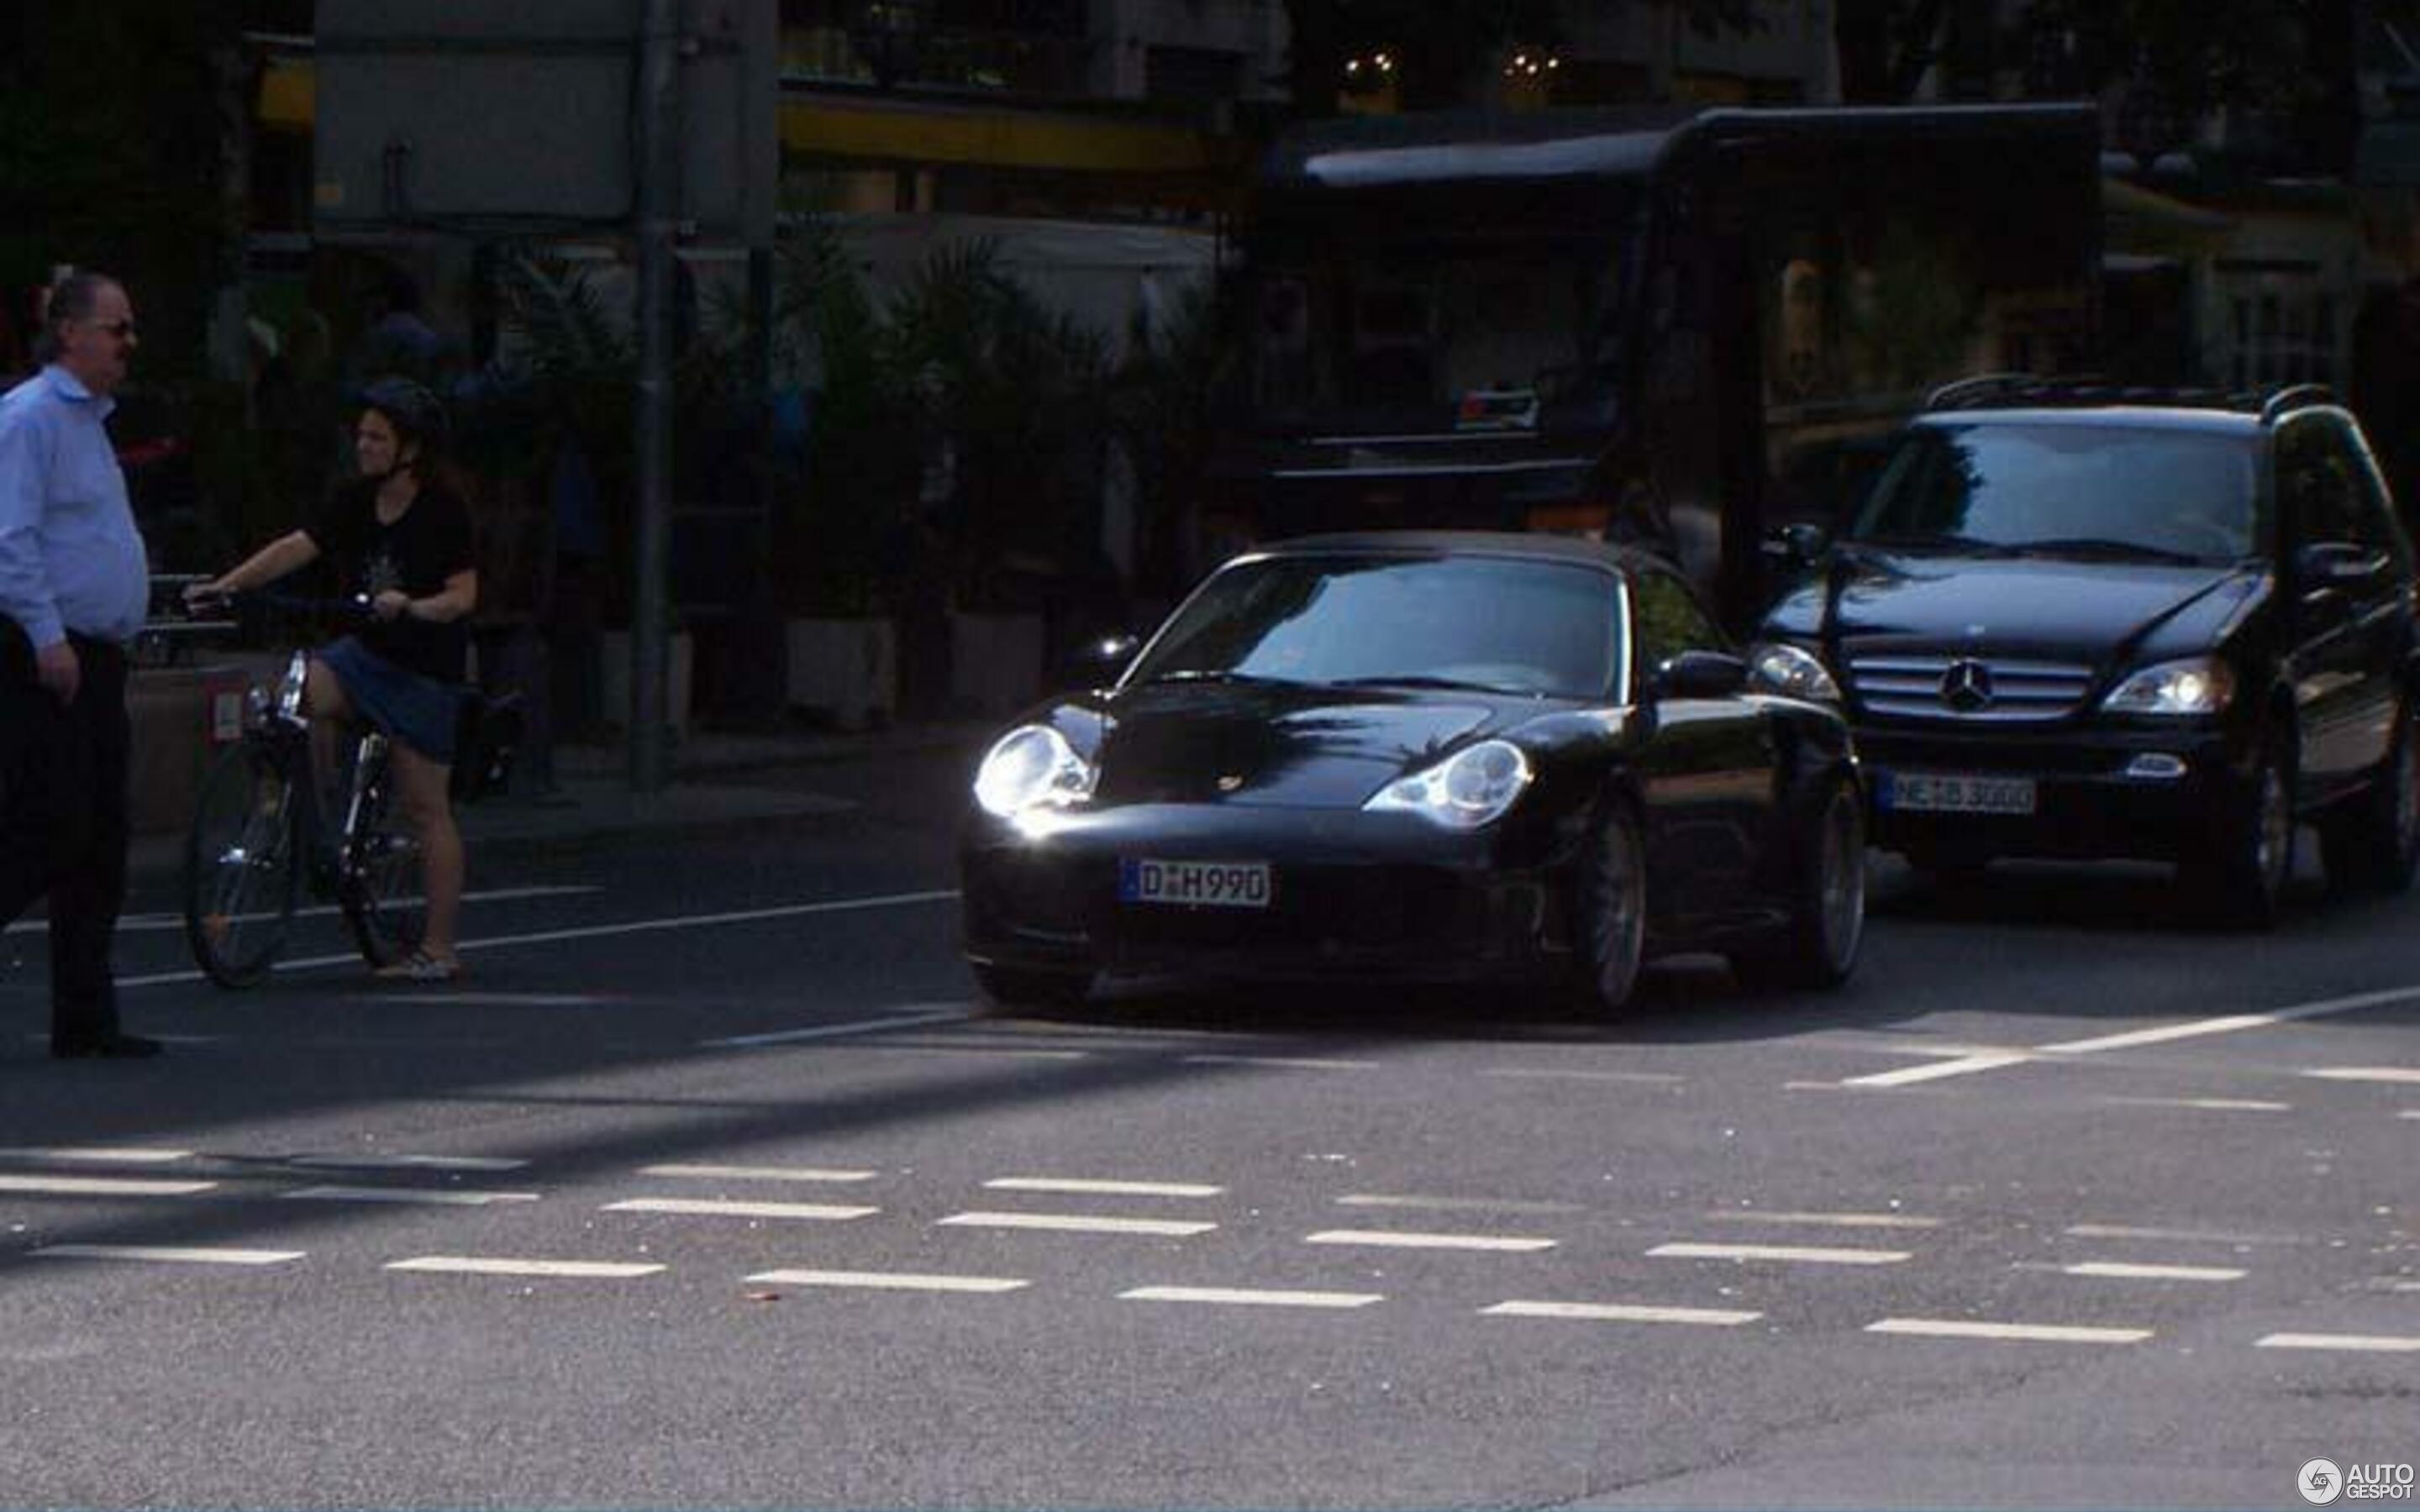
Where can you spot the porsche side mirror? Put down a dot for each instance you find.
(2338, 564)
(1098, 661)
(1701, 674)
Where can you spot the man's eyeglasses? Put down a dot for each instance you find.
(122, 329)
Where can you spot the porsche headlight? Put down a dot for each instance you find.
(1033, 764)
(2198, 685)
(1470, 787)
(1792, 672)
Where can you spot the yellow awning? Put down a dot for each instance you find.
(289, 95)
(884, 132)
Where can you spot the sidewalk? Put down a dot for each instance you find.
(707, 787)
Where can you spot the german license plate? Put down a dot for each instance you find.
(1956, 792)
(1195, 884)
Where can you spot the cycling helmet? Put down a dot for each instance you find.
(417, 414)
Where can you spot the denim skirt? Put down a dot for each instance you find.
(421, 712)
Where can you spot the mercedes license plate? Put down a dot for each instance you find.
(1956, 792)
(1198, 883)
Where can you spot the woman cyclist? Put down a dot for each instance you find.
(400, 538)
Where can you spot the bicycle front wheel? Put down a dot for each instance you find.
(243, 867)
(383, 898)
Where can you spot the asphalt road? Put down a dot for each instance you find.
(711, 1186)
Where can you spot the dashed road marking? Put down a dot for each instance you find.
(1072, 1223)
(890, 1281)
(1249, 1297)
(1396, 1239)
(1960, 1328)
(2396, 1075)
(1547, 1074)
(1825, 1220)
(2121, 1270)
(165, 1253)
(723, 1208)
(2211, 1104)
(2360, 1343)
(1783, 1253)
(2195, 1236)
(1281, 1062)
(758, 1173)
(101, 1186)
(834, 1031)
(429, 1197)
(1103, 1188)
(1622, 1313)
(99, 1154)
(1414, 1201)
(492, 1265)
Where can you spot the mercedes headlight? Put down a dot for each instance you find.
(1470, 787)
(1792, 671)
(2198, 685)
(1033, 766)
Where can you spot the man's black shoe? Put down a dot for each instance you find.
(115, 1048)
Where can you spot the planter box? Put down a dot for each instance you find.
(845, 669)
(995, 661)
(614, 679)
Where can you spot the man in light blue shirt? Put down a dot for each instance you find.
(73, 590)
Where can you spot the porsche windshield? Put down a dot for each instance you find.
(1496, 625)
(2073, 489)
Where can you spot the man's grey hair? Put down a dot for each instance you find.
(73, 297)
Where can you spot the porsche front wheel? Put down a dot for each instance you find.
(1610, 919)
(1827, 898)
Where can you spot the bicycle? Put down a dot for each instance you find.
(260, 829)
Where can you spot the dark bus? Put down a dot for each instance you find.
(1686, 326)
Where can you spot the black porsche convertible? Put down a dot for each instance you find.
(1426, 757)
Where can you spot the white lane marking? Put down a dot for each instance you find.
(462, 999)
(164, 1254)
(1660, 1078)
(2409, 1113)
(1249, 1297)
(992, 1052)
(115, 1155)
(1397, 1239)
(834, 1031)
(598, 932)
(757, 1173)
(890, 1281)
(1621, 1312)
(2400, 1075)
(144, 923)
(1377, 1200)
(102, 1186)
(2203, 1236)
(2368, 1343)
(1965, 1065)
(2213, 1104)
(2131, 1039)
(1070, 1222)
(1786, 1254)
(2120, 1270)
(1079, 1184)
(1281, 1062)
(407, 1196)
(492, 1265)
(719, 1208)
(408, 1163)
(1959, 1328)
(1825, 1220)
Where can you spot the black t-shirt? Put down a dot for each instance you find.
(427, 543)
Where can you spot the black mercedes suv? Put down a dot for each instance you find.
(2076, 620)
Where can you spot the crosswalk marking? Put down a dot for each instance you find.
(1622, 1313)
(1959, 1328)
(2363, 1343)
(1250, 1297)
(1070, 1222)
(407, 1195)
(1825, 1220)
(2395, 1075)
(2210, 1104)
(102, 1186)
(2201, 1236)
(890, 1281)
(757, 1173)
(1787, 1254)
(1103, 1188)
(492, 1265)
(1396, 1239)
(165, 1253)
(1375, 1199)
(2119, 1270)
(720, 1208)
(108, 1155)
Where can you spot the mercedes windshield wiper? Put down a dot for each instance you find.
(1928, 541)
(1220, 675)
(1451, 684)
(2100, 545)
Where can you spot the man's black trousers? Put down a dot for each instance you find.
(63, 829)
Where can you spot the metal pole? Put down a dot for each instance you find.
(658, 197)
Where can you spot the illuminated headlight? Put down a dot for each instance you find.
(2201, 685)
(1033, 764)
(1792, 671)
(1465, 790)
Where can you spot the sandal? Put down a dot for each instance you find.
(420, 966)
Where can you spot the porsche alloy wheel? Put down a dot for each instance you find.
(1610, 922)
(1827, 902)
